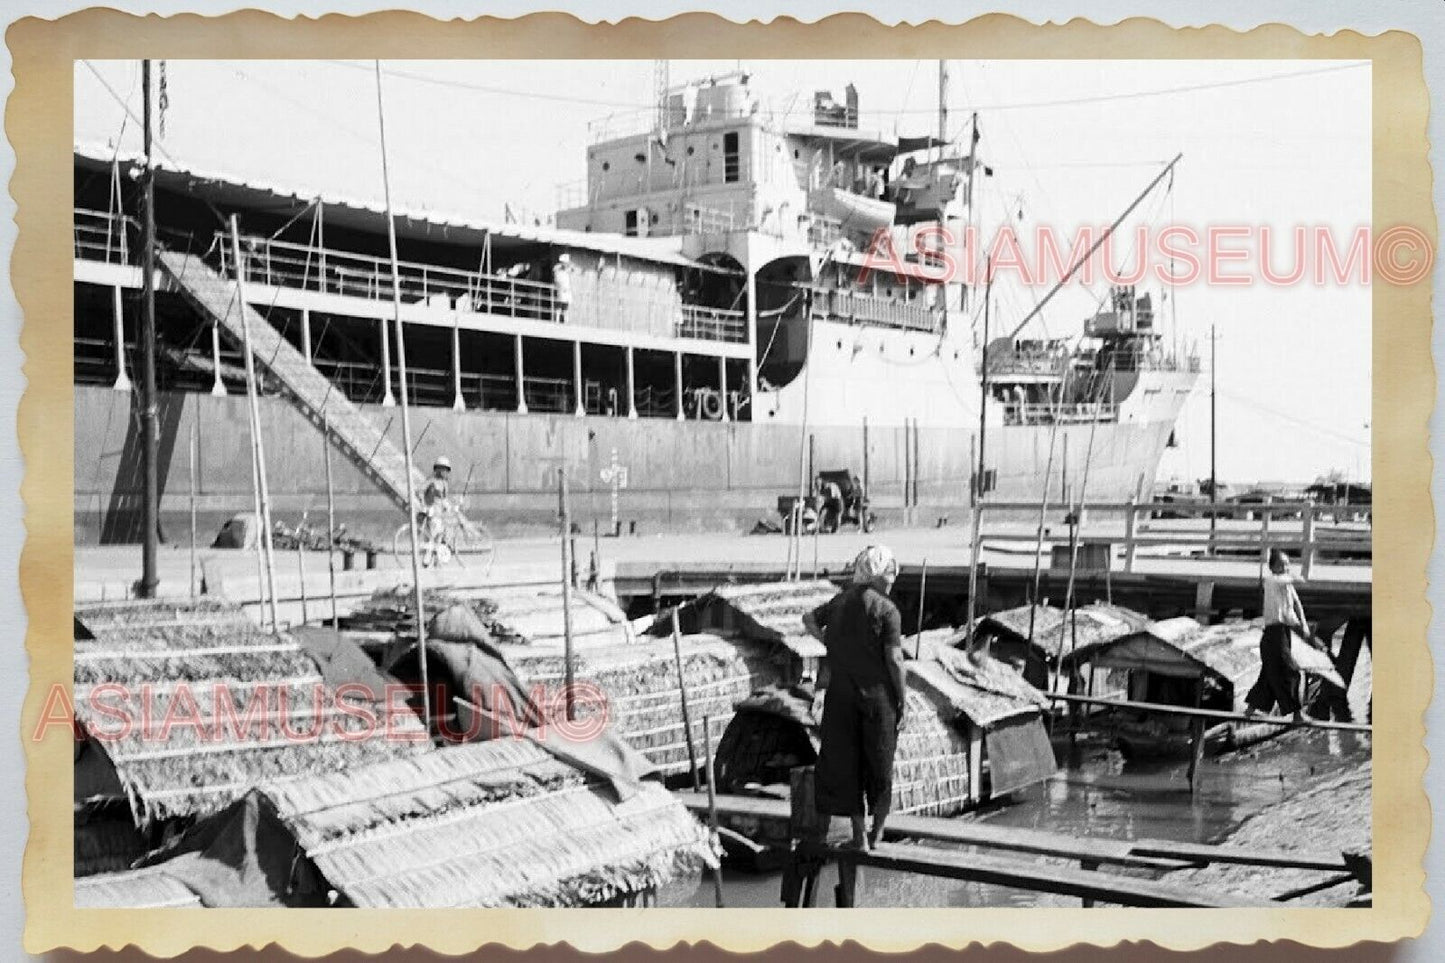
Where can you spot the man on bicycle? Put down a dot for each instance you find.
(436, 498)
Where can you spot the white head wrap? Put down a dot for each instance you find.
(874, 562)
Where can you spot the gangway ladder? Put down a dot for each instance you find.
(347, 427)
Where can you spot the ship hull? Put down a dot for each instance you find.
(681, 475)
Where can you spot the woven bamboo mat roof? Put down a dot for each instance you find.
(243, 705)
(499, 823)
(149, 888)
(983, 689)
(769, 612)
(1228, 652)
(510, 616)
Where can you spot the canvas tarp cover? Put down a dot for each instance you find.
(342, 662)
(1019, 754)
(243, 856)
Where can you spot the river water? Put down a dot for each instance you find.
(1098, 793)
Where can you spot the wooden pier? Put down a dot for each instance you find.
(1007, 860)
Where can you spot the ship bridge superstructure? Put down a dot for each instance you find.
(802, 205)
(498, 316)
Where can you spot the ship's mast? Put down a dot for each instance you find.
(942, 106)
(146, 588)
(660, 83)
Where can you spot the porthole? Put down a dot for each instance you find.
(606, 165)
(689, 152)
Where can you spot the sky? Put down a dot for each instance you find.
(1281, 144)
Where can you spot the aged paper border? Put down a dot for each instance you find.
(38, 122)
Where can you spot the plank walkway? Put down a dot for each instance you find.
(1157, 854)
(1035, 877)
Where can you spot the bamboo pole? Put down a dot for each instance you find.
(686, 714)
(1077, 516)
(330, 517)
(405, 415)
(922, 594)
(150, 511)
(1044, 499)
(301, 567)
(256, 514)
(1219, 714)
(258, 447)
(195, 457)
(817, 534)
(717, 885)
(566, 526)
(973, 554)
(803, 439)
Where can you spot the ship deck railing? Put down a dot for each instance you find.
(1043, 413)
(329, 271)
(113, 238)
(712, 324)
(856, 307)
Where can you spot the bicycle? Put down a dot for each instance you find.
(448, 536)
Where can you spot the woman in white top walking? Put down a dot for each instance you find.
(1279, 674)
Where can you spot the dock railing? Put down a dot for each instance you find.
(1318, 531)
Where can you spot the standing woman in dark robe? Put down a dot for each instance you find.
(865, 702)
(1279, 674)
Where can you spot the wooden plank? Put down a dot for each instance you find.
(960, 831)
(1035, 877)
(1221, 714)
(1168, 849)
(1144, 853)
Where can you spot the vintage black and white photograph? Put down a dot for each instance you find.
(748, 484)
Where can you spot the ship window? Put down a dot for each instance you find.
(796, 155)
(630, 223)
(689, 152)
(606, 166)
(731, 166)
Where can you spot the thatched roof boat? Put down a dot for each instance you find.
(1167, 661)
(1055, 631)
(768, 612)
(518, 616)
(185, 707)
(970, 723)
(491, 824)
(469, 670)
(641, 687)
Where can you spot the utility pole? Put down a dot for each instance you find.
(146, 588)
(1213, 478)
(411, 503)
(979, 487)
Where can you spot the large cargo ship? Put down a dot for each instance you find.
(702, 325)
